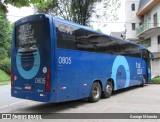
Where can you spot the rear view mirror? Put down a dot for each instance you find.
(151, 56)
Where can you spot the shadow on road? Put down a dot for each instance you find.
(58, 107)
(128, 89)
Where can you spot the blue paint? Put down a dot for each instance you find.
(120, 61)
(121, 77)
(69, 81)
(33, 71)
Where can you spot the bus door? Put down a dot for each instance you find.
(147, 56)
(150, 58)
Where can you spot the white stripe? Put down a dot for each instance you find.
(12, 104)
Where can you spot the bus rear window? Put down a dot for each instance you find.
(28, 34)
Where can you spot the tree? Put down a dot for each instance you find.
(5, 31)
(82, 11)
(60, 8)
(6, 27)
(5, 36)
(78, 11)
(3, 8)
(21, 3)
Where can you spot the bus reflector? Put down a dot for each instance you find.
(12, 77)
(42, 95)
(84, 84)
(48, 81)
(62, 88)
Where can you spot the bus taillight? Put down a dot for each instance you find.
(12, 77)
(48, 81)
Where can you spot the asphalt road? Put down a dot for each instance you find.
(133, 100)
(5, 97)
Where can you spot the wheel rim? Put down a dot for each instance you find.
(96, 92)
(109, 89)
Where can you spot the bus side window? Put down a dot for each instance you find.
(145, 54)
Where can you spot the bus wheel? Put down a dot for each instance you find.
(95, 92)
(143, 82)
(108, 90)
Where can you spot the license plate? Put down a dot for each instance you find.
(28, 87)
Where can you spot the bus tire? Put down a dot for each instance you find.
(95, 93)
(143, 82)
(108, 90)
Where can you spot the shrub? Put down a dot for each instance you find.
(156, 80)
(5, 65)
(4, 76)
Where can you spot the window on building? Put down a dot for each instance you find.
(133, 26)
(133, 7)
(159, 39)
(146, 42)
(155, 19)
(140, 24)
(142, 18)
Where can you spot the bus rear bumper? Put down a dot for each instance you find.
(41, 97)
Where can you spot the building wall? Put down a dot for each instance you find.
(156, 9)
(131, 18)
(155, 47)
(154, 42)
(147, 18)
(155, 66)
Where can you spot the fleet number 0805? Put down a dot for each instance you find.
(64, 60)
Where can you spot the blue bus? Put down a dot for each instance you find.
(54, 60)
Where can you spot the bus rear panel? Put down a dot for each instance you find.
(30, 63)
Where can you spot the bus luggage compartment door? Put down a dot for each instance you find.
(67, 85)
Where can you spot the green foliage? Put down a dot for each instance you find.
(81, 11)
(3, 53)
(98, 30)
(42, 3)
(20, 3)
(4, 76)
(5, 36)
(17, 3)
(156, 80)
(3, 8)
(5, 65)
(60, 8)
(4, 82)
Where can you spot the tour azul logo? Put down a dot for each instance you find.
(139, 68)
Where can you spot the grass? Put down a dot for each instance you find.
(4, 82)
(4, 78)
(156, 80)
